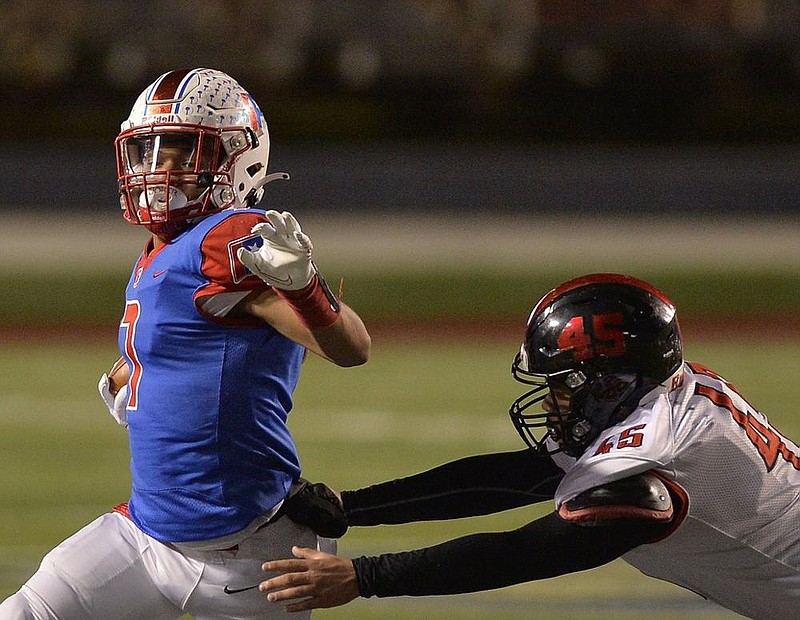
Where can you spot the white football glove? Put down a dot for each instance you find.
(284, 259)
(116, 403)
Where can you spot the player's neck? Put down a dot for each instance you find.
(152, 244)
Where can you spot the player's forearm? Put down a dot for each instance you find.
(346, 342)
(470, 486)
(545, 548)
(337, 331)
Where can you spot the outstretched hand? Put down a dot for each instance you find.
(284, 258)
(319, 579)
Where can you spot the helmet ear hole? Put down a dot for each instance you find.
(254, 169)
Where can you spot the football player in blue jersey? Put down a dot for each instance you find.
(220, 309)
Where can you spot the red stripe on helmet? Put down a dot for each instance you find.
(597, 278)
(167, 86)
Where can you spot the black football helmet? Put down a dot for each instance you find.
(594, 346)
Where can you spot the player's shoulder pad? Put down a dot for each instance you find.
(228, 231)
(643, 497)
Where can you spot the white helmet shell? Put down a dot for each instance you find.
(223, 136)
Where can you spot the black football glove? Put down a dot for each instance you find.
(316, 506)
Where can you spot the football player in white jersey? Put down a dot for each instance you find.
(647, 457)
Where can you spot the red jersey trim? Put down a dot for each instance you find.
(122, 509)
(613, 513)
(677, 511)
(221, 266)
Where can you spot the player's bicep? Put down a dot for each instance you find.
(228, 280)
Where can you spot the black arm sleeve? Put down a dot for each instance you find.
(471, 486)
(543, 548)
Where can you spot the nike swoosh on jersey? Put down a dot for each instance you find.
(228, 590)
(156, 274)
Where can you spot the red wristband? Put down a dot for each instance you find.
(315, 304)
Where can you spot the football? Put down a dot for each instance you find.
(118, 375)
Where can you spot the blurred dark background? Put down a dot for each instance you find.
(648, 106)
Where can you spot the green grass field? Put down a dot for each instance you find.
(64, 460)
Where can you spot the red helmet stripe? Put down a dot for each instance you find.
(597, 278)
(167, 87)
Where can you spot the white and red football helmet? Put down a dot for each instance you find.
(194, 143)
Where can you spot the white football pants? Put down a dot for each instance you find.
(111, 569)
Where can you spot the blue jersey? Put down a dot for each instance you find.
(208, 397)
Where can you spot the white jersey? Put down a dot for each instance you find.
(738, 540)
